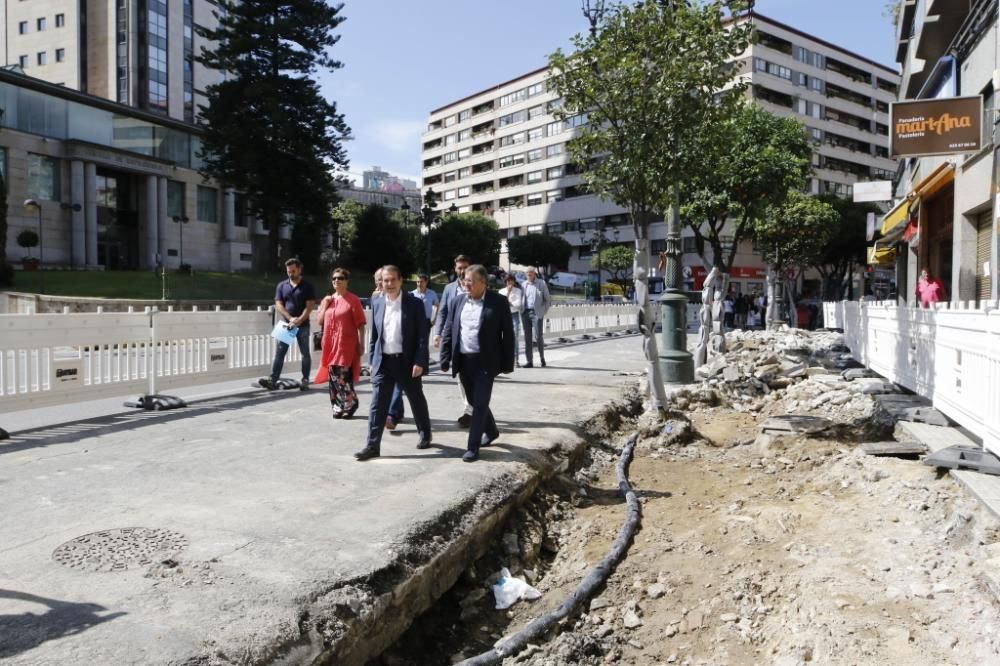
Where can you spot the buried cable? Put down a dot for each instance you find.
(596, 578)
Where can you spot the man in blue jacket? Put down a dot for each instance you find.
(398, 352)
(477, 343)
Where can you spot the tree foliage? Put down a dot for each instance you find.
(847, 246)
(751, 162)
(539, 251)
(648, 77)
(376, 239)
(269, 132)
(472, 234)
(617, 260)
(796, 232)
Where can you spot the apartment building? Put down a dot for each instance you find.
(135, 52)
(946, 217)
(500, 150)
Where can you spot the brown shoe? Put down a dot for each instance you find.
(390, 423)
(464, 420)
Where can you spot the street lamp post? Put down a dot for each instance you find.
(31, 204)
(596, 245)
(509, 208)
(675, 360)
(181, 220)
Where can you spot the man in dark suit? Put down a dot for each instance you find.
(398, 352)
(477, 343)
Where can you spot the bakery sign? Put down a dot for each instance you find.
(936, 126)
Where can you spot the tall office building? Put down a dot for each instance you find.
(135, 52)
(500, 150)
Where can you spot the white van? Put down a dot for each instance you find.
(568, 280)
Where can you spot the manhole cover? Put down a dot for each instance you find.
(119, 549)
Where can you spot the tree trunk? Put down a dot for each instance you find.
(711, 336)
(647, 323)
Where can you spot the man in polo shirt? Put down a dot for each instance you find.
(294, 300)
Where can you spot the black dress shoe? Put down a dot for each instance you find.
(543, 362)
(470, 456)
(424, 443)
(527, 365)
(367, 453)
(464, 420)
(350, 412)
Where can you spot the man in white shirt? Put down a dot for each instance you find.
(536, 304)
(451, 291)
(399, 355)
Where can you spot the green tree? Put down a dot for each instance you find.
(343, 231)
(539, 250)
(472, 234)
(269, 132)
(617, 260)
(379, 238)
(847, 246)
(645, 80)
(792, 235)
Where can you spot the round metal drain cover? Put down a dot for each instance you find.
(120, 549)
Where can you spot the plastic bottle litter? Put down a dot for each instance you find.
(509, 590)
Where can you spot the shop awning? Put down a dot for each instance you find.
(895, 217)
(882, 255)
(935, 181)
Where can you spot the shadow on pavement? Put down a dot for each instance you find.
(25, 631)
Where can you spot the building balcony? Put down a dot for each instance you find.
(855, 74)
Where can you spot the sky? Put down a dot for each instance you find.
(404, 58)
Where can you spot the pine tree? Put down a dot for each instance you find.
(269, 131)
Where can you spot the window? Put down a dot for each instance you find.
(42, 58)
(554, 149)
(175, 199)
(553, 196)
(43, 178)
(516, 96)
(816, 84)
(511, 160)
(512, 139)
(464, 115)
(449, 158)
(60, 20)
(465, 152)
(553, 228)
(22, 28)
(450, 176)
(535, 228)
(40, 24)
(536, 89)
(535, 155)
(449, 195)
(536, 111)
(23, 61)
(451, 139)
(555, 172)
(60, 55)
(576, 121)
(534, 177)
(535, 199)
(553, 129)
(463, 192)
(208, 204)
(465, 172)
(687, 245)
(511, 118)
(450, 120)
(465, 135)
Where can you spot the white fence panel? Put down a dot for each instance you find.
(948, 355)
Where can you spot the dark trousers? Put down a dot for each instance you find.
(396, 408)
(478, 385)
(302, 338)
(533, 329)
(391, 374)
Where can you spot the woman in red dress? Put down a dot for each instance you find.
(343, 322)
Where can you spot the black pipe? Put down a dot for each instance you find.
(594, 580)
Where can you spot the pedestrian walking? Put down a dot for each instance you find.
(536, 305)
(447, 296)
(342, 326)
(399, 355)
(477, 345)
(397, 412)
(294, 301)
(930, 290)
(515, 297)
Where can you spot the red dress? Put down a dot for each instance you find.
(342, 319)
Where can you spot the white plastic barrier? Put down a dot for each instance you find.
(563, 321)
(950, 355)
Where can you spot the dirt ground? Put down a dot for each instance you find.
(753, 549)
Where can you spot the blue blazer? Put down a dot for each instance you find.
(496, 334)
(415, 331)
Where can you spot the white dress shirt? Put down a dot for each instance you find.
(471, 314)
(392, 326)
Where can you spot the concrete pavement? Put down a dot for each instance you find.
(260, 539)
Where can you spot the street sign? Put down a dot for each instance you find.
(876, 190)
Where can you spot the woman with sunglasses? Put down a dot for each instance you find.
(342, 318)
